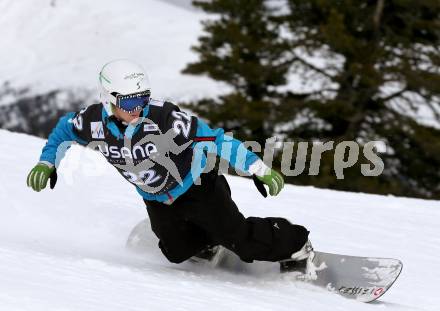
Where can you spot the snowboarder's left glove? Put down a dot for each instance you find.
(40, 174)
(264, 175)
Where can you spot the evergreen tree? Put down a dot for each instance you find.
(242, 48)
(378, 68)
(388, 70)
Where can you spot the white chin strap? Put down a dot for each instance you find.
(108, 108)
(106, 102)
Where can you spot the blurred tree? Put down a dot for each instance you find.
(378, 72)
(370, 69)
(20, 111)
(241, 47)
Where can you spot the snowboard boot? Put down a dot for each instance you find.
(299, 261)
(211, 254)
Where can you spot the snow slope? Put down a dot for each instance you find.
(186, 4)
(51, 44)
(62, 44)
(64, 249)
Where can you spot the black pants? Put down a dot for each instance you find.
(206, 215)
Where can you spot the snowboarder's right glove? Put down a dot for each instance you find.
(264, 175)
(38, 176)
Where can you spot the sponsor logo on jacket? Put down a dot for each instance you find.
(151, 128)
(97, 130)
(137, 152)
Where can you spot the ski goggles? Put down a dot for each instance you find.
(132, 102)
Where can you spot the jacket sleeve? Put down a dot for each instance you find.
(227, 147)
(61, 138)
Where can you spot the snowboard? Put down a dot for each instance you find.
(361, 278)
(364, 279)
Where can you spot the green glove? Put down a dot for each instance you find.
(38, 176)
(273, 180)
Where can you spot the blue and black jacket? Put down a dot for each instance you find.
(163, 154)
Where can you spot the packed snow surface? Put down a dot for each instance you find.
(64, 249)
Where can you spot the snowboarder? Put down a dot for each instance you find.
(153, 144)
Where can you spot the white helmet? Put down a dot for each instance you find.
(122, 79)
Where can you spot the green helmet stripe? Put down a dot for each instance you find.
(101, 76)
